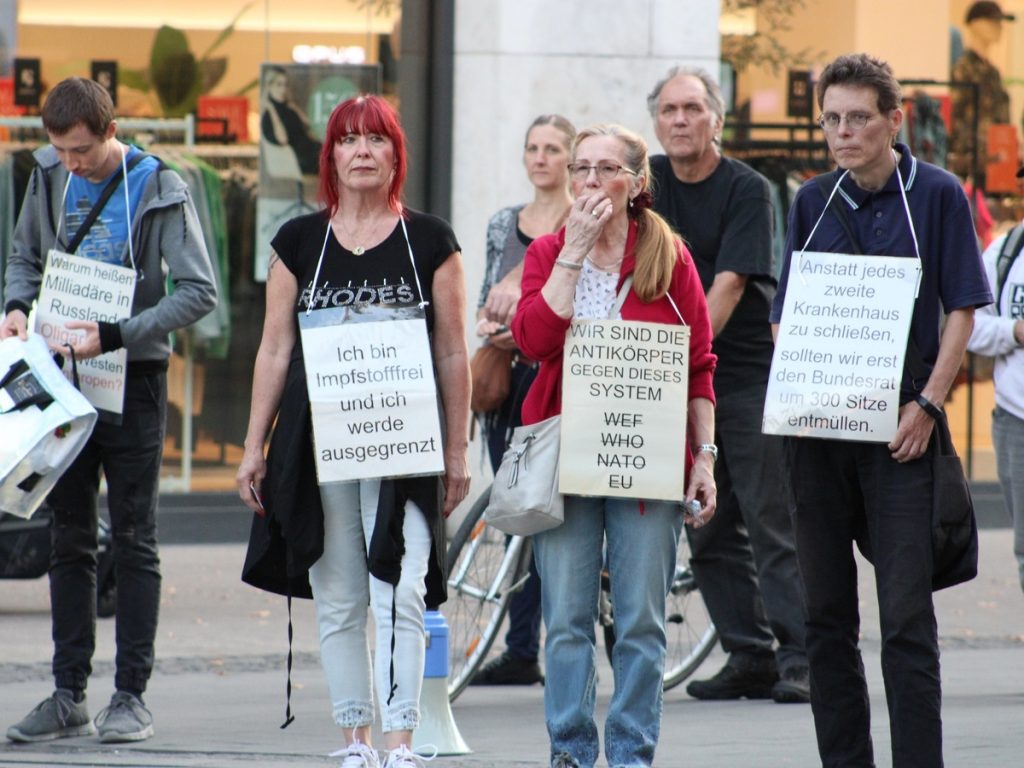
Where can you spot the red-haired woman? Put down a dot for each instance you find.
(366, 541)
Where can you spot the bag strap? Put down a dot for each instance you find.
(825, 182)
(98, 206)
(1008, 254)
(621, 298)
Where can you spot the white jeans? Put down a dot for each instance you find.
(342, 588)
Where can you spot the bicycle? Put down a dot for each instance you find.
(485, 568)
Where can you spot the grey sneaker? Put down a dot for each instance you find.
(125, 719)
(57, 717)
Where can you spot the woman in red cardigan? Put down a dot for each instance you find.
(577, 273)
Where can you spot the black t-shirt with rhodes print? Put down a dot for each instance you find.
(381, 276)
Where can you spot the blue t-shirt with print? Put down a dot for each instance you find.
(107, 238)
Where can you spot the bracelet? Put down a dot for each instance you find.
(709, 448)
(928, 406)
(569, 264)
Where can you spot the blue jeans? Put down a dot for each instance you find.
(342, 588)
(642, 538)
(129, 455)
(1008, 439)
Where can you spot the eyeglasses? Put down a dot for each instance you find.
(855, 121)
(605, 171)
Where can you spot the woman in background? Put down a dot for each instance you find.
(509, 232)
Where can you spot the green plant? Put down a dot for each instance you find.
(764, 48)
(381, 6)
(174, 72)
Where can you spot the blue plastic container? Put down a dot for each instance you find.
(436, 628)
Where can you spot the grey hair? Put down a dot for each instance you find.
(714, 99)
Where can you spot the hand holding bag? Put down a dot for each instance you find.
(491, 371)
(45, 421)
(525, 498)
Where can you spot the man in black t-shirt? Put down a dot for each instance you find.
(744, 559)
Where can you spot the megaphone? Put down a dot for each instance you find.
(437, 727)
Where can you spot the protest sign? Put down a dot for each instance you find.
(370, 377)
(624, 401)
(838, 358)
(77, 288)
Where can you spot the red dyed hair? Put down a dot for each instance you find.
(362, 115)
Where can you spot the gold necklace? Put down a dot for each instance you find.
(358, 250)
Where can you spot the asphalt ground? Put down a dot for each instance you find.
(218, 690)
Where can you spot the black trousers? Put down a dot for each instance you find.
(129, 455)
(744, 559)
(846, 492)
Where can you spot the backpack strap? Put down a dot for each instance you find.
(825, 182)
(1008, 254)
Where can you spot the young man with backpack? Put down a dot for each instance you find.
(999, 333)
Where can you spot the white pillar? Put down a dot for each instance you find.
(592, 61)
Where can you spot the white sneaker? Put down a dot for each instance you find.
(403, 757)
(358, 755)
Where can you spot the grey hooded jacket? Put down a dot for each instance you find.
(165, 234)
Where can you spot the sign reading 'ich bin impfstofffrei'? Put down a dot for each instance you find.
(842, 340)
(372, 393)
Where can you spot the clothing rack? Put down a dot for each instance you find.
(184, 125)
(800, 144)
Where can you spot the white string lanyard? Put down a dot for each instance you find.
(906, 209)
(423, 303)
(127, 207)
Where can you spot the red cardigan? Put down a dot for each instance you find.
(540, 333)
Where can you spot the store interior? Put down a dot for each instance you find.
(210, 376)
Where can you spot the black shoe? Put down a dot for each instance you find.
(794, 686)
(742, 677)
(508, 670)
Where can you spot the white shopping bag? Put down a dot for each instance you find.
(44, 420)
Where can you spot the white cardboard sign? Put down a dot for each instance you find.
(77, 288)
(838, 358)
(624, 401)
(372, 393)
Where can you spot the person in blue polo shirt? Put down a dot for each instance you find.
(879, 494)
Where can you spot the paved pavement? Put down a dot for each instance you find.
(218, 691)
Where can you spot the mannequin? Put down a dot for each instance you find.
(984, 28)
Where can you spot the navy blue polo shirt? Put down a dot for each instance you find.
(953, 276)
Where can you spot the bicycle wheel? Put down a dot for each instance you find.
(689, 632)
(484, 568)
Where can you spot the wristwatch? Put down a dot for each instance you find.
(709, 448)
